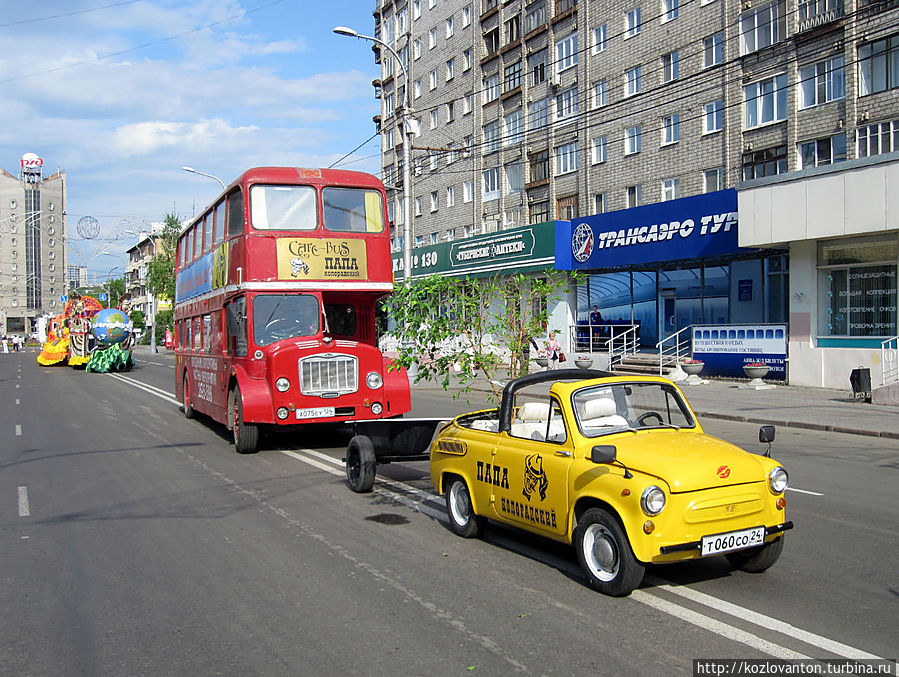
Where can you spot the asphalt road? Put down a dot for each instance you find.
(134, 541)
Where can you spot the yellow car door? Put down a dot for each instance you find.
(535, 457)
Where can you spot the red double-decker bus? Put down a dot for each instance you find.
(276, 291)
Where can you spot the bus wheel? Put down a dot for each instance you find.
(246, 435)
(188, 409)
(360, 464)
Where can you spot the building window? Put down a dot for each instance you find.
(491, 41)
(467, 104)
(513, 29)
(857, 286)
(712, 180)
(535, 16)
(713, 117)
(491, 184)
(450, 112)
(599, 203)
(600, 94)
(466, 16)
(450, 28)
(563, 6)
(633, 139)
(566, 103)
(539, 212)
(768, 162)
(634, 196)
(599, 149)
(450, 69)
(632, 23)
(434, 160)
(467, 191)
(876, 139)
(512, 76)
(539, 165)
(434, 201)
(670, 189)
(566, 53)
(713, 50)
(633, 81)
(671, 129)
(819, 152)
(766, 101)
(512, 128)
(416, 49)
(670, 66)
(513, 178)
(823, 82)
(878, 66)
(669, 10)
(566, 207)
(491, 88)
(416, 88)
(418, 206)
(599, 39)
(537, 66)
(566, 158)
(416, 9)
(432, 79)
(432, 38)
(491, 136)
(538, 114)
(466, 59)
(450, 234)
(762, 27)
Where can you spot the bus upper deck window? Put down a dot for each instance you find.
(235, 213)
(353, 210)
(283, 207)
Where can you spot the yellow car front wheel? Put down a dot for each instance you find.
(605, 554)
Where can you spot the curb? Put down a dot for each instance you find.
(888, 434)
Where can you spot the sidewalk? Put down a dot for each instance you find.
(783, 406)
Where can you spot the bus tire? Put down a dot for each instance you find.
(188, 409)
(246, 435)
(360, 464)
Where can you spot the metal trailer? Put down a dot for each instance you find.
(385, 441)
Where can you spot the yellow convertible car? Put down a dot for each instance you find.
(617, 466)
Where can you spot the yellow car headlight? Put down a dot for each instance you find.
(653, 500)
(778, 480)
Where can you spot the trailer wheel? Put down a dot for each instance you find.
(188, 409)
(246, 435)
(360, 464)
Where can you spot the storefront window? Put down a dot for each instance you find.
(857, 287)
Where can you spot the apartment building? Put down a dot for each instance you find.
(32, 245)
(568, 111)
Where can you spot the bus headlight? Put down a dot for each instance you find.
(373, 380)
(376, 409)
(778, 480)
(282, 384)
(653, 500)
(283, 413)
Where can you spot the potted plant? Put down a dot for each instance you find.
(692, 367)
(755, 370)
(583, 361)
(542, 360)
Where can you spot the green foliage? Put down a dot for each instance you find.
(138, 319)
(472, 328)
(164, 320)
(116, 290)
(161, 271)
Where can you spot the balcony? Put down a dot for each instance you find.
(815, 13)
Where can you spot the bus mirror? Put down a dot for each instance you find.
(234, 320)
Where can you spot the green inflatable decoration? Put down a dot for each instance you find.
(112, 358)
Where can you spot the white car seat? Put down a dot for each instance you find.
(602, 412)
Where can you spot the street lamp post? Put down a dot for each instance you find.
(211, 176)
(152, 300)
(407, 150)
(109, 286)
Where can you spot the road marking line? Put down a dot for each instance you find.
(161, 394)
(761, 620)
(18, 401)
(18, 430)
(803, 491)
(24, 507)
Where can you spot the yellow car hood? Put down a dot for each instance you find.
(689, 461)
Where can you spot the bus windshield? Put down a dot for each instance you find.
(283, 207)
(352, 210)
(282, 316)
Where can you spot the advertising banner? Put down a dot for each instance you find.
(725, 348)
(324, 259)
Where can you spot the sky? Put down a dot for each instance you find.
(120, 94)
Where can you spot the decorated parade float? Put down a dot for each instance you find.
(90, 336)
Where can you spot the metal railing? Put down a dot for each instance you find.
(671, 348)
(617, 340)
(889, 360)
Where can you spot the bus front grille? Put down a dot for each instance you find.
(329, 375)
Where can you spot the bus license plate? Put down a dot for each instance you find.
(735, 540)
(315, 412)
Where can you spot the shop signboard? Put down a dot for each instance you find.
(523, 249)
(693, 227)
(725, 348)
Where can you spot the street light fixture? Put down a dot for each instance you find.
(211, 176)
(109, 286)
(407, 149)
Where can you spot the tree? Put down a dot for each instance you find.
(116, 290)
(161, 271)
(137, 319)
(472, 327)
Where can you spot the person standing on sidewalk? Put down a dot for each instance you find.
(553, 351)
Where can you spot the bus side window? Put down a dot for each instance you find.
(207, 333)
(235, 213)
(219, 223)
(207, 237)
(198, 335)
(215, 335)
(236, 316)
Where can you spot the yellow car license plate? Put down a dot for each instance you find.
(734, 540)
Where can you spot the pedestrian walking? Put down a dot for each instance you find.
(554, 351)
(5, 343)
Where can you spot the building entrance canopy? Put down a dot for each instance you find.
(688, 228)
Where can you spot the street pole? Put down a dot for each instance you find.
(211, 176)
(407, 149)
(151, 301)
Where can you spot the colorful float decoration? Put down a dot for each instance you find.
(112, 329)
(56, 348)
